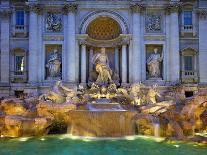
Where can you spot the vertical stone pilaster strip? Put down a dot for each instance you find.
(70, 65)
(5, 41)
(136, 41)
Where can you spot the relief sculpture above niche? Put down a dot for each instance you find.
(153, 22)
(53, 22)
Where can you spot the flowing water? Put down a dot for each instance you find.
(70, 145)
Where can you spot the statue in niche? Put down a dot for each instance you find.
(101, 62)
(54, 65)
(153, 64)
(53, 22)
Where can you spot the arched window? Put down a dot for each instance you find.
(189, 71)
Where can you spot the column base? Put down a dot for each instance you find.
(124, 84)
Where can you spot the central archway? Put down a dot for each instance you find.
(104, 14)
(103, 28)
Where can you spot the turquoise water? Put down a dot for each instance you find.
(67, 145)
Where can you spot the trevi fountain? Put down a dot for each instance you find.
(103, 77)
(104, 111)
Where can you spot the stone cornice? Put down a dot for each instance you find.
(70, 7)
(123, 39)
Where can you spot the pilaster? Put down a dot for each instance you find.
(202, 45)
(136, 41)
(5, 44)
(33, 43)
(70, 10)
(174, 56)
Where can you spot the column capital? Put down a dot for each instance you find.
(5, 12)
(36, 8)
(125, 39)
(202, 13)
(173, 7)
(136, 7)
(82, 42)
(70, 7)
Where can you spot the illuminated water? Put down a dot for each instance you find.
(67, 145)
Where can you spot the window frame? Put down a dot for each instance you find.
(22, 17)
(191, 19)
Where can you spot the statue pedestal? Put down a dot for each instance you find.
(53, 78)
(155, 79)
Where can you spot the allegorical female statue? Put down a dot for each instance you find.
(101, 62)
(54, 64)
(153, 64)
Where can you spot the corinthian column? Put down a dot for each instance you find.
(124, 65)
(5, 15)
(174, 43)
(70, 66)
(83, 61)
(33, 44)
(136, 41)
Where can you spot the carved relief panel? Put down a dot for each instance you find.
(153, 22)
(53, 22)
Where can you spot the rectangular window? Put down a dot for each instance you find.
(20, 17)
(188, 61)
(187, 17)
(19, 63)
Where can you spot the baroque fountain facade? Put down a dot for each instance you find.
(95, 71)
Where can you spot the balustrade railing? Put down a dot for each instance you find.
(19, 29)
(19, 76)
(189, 76)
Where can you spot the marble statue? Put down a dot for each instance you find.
(60, 94)
(153, 64)
(53, 22)
(152, 94)
(101, 62)
(54, 65)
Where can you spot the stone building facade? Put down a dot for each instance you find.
(43, 41)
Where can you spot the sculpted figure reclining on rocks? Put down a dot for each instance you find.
(59, 94)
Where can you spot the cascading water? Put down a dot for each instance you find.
(156, 129)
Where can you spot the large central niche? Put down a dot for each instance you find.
(104, 28)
